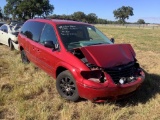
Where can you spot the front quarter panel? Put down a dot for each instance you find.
(75, 71)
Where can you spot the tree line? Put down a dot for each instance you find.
(82, 17)
(28, 9)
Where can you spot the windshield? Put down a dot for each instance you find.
(75, 35)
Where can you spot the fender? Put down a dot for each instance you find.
(74, 71)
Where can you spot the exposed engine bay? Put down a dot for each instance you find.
(78, 53)
(121, 74)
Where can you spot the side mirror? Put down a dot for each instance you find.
(50, 44)
(112, 40)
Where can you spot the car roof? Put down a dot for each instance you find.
(57, 21)
(67, 22)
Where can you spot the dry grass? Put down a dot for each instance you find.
(28, 93)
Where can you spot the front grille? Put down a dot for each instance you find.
(118, 72)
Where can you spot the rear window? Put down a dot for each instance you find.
(32, 30)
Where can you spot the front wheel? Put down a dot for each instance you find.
(24, 57)
(11, 47)
(66, 86)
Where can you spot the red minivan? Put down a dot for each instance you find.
(84, 62)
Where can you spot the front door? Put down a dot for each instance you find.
(4, 35)
(47, 56)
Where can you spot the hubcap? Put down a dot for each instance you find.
(67, 86)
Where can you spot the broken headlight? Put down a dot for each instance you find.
(95, 75)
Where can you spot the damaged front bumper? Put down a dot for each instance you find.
(100, 91)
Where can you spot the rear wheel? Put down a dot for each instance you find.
(66, 86)
(24, 57)
(11, 47)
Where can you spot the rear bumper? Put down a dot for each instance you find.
(108, 89)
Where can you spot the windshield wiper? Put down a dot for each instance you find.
(95, 44)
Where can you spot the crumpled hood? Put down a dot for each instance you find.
(107, 56)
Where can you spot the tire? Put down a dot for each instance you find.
(66, 86)
(11, 47)
(24, 57)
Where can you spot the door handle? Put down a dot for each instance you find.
(38, 50)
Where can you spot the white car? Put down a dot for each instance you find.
(8, 36)
(17, 26)
(1, 23)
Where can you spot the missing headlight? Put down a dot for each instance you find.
(96, 76)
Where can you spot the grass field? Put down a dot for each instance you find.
(28, 93)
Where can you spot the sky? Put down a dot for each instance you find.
(149, 10)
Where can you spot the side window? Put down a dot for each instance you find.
(32, 30)
(5, 29)
(48, 34)
(24, 28)
(2, 28)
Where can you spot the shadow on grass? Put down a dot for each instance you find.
(147, 91)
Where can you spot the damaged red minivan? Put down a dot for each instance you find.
(84, 62)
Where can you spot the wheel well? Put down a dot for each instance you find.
(9, 41)
(21, 48)
(59, 70)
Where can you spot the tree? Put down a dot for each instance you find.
(123, 13)
(79, 16)
(91, 18)
(141, 21)
(1, 14)
(102, 21)
(26, 9)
